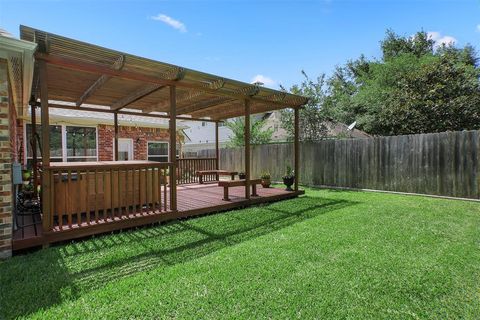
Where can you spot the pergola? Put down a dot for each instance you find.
(71, 74)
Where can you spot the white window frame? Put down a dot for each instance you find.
(160, 141)
(64, 141)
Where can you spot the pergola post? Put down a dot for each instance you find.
(247, 148)
(297, 147)
(33, 140)
(217, 150)
(115, 125)
(46, 187)
(173, 148)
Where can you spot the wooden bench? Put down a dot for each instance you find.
(218, 173)
(238, 183)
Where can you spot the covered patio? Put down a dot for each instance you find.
(85, 198)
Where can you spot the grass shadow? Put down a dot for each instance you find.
(49, 277)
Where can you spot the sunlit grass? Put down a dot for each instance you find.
(330, 254)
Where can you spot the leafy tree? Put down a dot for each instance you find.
(258, 135)
(415, 87)
(312, 118)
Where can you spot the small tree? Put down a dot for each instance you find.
(258, 134)
(312, 117)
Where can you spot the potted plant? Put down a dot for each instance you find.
(27, 190)
(242, 175)
(266, 179)
(26, 175)
(289, 178)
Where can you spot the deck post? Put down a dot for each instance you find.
(33, 140)
(247, 148)
(46, 187)
(217, 150)
(115, 125)
(173, 148)
(297, 147)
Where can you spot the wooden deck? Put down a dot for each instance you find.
(193, 199)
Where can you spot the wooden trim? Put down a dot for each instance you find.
(217, 148)
(247, 149)
(297, 147)
(173, 148)
(115, 125)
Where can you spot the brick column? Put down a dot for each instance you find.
(5, 167)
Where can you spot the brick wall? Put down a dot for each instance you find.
(6, 153)
(106, 133)
(139, 135)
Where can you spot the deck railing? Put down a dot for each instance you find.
(85, 194)
(188, 166)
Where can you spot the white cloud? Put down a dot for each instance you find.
(180, 26)
(269, 82)
(478, 28)
(441, 39)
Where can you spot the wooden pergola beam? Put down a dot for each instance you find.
(130, 113)
(117, 65)
(215, 85)
(216, 109)
(219, 115)
(136, 95)
(198, 107)
(131, 75)
(163, 106)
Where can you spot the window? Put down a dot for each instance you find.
(55, 143)
(67, 143)
(158, 151)
(81, 144)
(204, 123)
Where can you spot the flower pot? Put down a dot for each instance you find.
(266, 183)
(288, 182)
(242, 176)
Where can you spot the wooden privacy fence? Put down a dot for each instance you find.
(83, 194)
(446, 164)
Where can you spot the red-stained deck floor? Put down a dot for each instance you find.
(192, 199)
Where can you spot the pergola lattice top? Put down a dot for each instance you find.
(81, 73)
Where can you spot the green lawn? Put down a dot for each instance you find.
(329, 254)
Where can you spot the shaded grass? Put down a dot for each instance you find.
(334, 254)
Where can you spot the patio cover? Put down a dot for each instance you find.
(85, 74)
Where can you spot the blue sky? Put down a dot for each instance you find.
(247, 40)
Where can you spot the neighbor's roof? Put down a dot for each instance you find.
(81, 73)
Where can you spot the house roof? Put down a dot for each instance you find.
(80, 73)
(83, 117)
